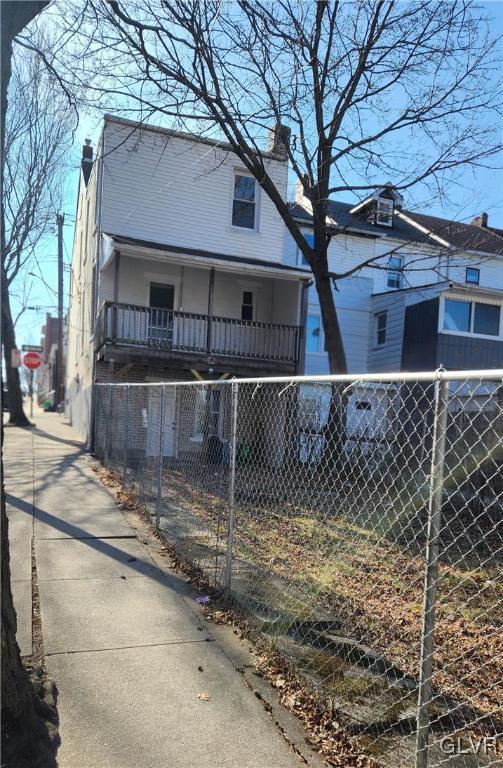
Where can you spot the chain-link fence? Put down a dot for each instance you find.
(358, 521)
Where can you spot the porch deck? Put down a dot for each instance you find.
(196, 337)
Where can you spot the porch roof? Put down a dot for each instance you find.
(209, 258)
(447, 285)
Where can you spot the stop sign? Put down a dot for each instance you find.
(32, 360)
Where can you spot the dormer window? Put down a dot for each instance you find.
(379, 208)
(384, 214)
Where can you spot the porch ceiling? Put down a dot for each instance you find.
(207, 259)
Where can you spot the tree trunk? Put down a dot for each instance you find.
(17, 415)
(25, 738)
(335, 428)
(331, 327)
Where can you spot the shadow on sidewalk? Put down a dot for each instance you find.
(102, 545)
(49, 436)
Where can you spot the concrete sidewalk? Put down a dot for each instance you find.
(123, 638)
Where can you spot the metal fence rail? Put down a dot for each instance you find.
(359, 521)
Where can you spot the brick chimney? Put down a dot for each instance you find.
(87, 160)
(480, 221)
(279, 140)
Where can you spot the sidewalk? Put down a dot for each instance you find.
(123, 639)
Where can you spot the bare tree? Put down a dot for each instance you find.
(371, 90)
(38, 135)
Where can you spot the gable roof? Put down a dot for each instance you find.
(461, 235)
(457, 234)
(193, 138)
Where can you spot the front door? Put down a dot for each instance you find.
(161, 301)
(154, 421)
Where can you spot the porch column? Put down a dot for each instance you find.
(211, 289)
(301, 355)
(117, 266)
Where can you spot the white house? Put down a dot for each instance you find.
(177, 267)
(432, 293)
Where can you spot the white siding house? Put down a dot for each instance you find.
(177, 267)
(415, 260)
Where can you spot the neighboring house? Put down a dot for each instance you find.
(431, 294)
(46, 374)
(436, 299)
(177, 268)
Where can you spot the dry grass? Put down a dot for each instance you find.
(329, 566)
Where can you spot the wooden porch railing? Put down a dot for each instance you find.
(130, 324)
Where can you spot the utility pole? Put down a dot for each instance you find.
(60, 218)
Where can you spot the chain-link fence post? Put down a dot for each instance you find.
(232, 484)
(109, 427)
(126, 419)
(160, 462)
(441, 404)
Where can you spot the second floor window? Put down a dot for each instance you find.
(247, 306)
(381, 320)
(309, 238)
(244, 202)
(313, 334)
(472, 317)
(472, 275)
(395, 264)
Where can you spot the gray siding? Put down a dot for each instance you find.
(464, 352)
(419, 350)
(388, 356)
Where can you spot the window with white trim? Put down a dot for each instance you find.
(309, 238)
(472, 275)
(199, 413)
(381, 322)
(384, 215)
(471, 317)
(206, 413)
(244, 201)
(395, 264)
(313, 335)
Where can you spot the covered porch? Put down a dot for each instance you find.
(199, 310)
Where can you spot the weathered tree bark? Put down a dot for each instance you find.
(25, 738)
(17, 415)
(335, 428)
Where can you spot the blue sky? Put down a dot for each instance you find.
(475, 190)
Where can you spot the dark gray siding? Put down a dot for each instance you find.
(464, 352)
(420, 336)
